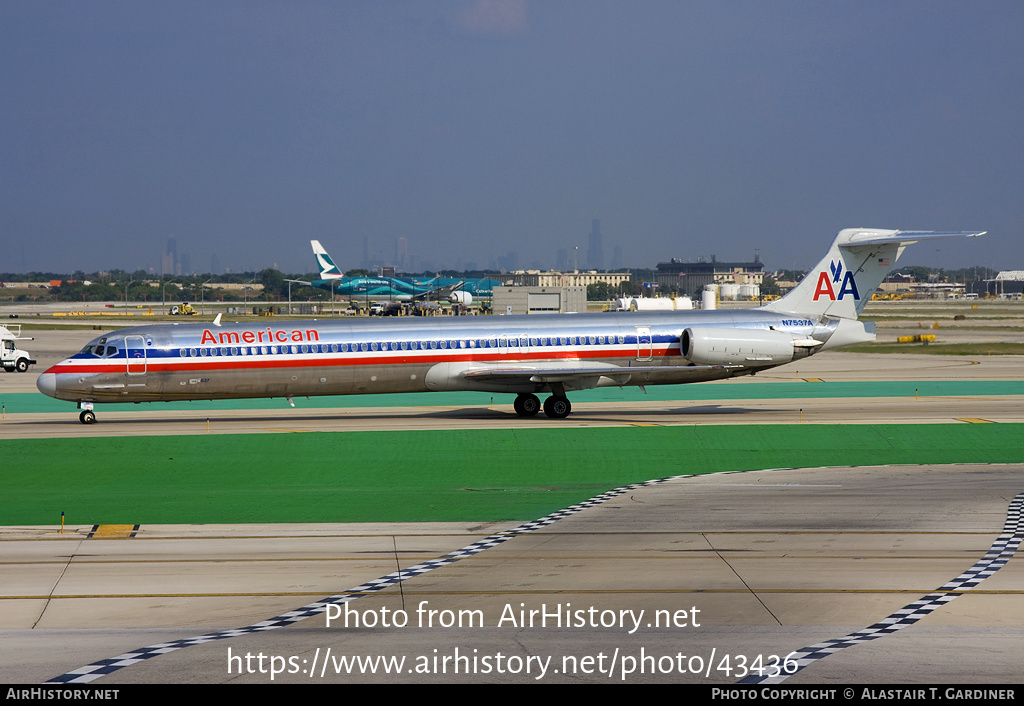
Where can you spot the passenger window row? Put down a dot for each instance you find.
(487, 343)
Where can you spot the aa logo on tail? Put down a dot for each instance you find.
(825, 284)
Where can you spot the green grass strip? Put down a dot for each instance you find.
(730, 390)
(971, 349)
(472, 475)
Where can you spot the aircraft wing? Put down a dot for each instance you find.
(439, 293)
(619, 374)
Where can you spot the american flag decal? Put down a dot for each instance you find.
(883, 261)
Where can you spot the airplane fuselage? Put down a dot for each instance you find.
(370, 287)
(401, 289)
(340, 357)
(523, 355)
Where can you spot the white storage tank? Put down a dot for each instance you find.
(709, 297)
(661, 304)
(728, 291)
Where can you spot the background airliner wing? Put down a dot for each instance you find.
(438, 293)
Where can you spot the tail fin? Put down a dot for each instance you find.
(859, 259)
(328, 270)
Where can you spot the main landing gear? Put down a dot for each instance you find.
(526, 405)
(555, 407)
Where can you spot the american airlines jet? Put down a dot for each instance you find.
(522, 355)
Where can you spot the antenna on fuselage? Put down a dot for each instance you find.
(216, 322)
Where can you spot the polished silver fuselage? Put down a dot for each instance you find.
(515, 354)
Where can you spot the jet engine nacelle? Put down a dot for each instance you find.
(736, 346)
(461, 297)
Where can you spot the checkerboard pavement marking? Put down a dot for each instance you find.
(996, 557)
(91, 672)
(1000, 552)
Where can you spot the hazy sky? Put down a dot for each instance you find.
(473, 128)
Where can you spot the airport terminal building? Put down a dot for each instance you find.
(692, 277)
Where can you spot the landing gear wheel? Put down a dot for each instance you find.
(87, 417)
(557, 407)
(526, 405)
(21, 365)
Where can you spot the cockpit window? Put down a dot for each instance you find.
(100, 351)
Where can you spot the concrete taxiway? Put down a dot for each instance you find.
(741, 566)
(867, 410)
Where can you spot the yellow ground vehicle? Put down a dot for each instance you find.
(184, 310)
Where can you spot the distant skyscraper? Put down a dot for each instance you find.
(509, 261)
(617, 258)
(595, 253)
(169, 261)
(562, 260)
(402, 255)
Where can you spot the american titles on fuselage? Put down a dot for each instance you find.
(271, 336)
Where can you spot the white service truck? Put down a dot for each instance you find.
(12, 357)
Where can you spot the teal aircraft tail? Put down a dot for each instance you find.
(328, 270)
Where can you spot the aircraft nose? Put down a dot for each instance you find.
(47, 384)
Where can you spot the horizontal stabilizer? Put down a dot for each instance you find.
(907, 237)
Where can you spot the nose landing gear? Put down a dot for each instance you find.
(86, 416)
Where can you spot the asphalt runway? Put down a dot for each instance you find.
(867, 410)
(741, 566)
(277, 417)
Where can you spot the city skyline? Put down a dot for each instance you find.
(174, 265)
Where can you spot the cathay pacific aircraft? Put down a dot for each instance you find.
(525, 356)
(383, 288)
(397, 289)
